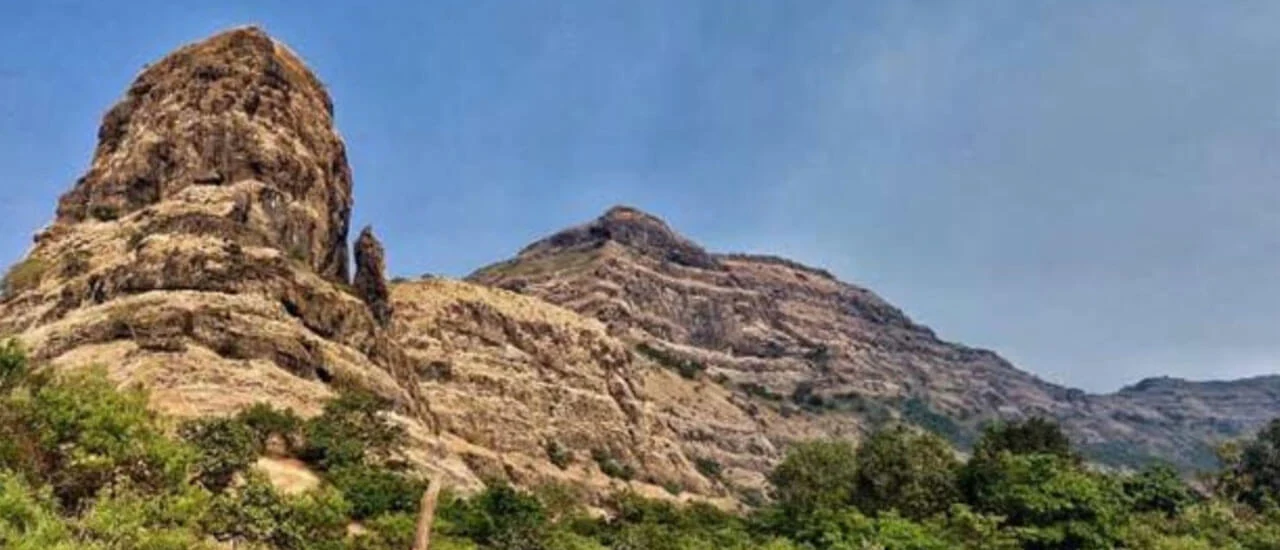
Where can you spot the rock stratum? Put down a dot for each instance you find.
(796, 340)
(204, 255)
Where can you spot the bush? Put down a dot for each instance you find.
(226, 446)
(688, 368)
(350, 432)
(267, 422)
(256, 514)
(1051, 503)
(612, 466)
(558, 455)
(81, 433)
(500, 516)
(708, 467)
(376, 491)
(23, 276)
(1158, 489)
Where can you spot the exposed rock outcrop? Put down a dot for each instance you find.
(204, 251)
(371, 276)
(798, 341)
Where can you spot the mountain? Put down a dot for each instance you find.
(802, 342)
(204, 254)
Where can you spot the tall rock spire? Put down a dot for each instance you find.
(204, 252)
(235, 107)
(371, 275)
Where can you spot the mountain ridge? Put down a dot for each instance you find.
(625, 271)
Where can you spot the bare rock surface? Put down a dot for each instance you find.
(795, 339)
(371, 276)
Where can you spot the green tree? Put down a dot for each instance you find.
(1051, 503)
(226, 447)
(350, 431)
(901, 469)
(815, 475)
(1256, 468)
(1034, 435)
(1158, 488)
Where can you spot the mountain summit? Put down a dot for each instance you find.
(839, 354)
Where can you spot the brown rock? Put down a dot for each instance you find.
(836, 357)
(236, 107)
(371, 280)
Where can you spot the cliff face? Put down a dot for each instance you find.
(800, 342)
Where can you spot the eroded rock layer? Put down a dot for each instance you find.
(796, 340)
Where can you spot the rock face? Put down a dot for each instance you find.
(204, 251)
(796, 340)
(371, 276)
(238, 107)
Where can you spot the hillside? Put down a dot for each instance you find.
(204, 254)
(808, 345)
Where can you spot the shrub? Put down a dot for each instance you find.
(376, 491)
(226, 446)
(558, 455)
(500, 517)
(708, 467)
(612, 466)
(1256, 467)
(757, 390)
(350, 432)
(1051, 503)
(1158, 489)
(687, 368)
(256, 514)
(23, 276)
(104, 212)
(267, 422)
(81, 433)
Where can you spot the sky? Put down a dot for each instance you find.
(1088, 188)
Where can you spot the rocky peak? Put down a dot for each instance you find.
(629, 227)
(233, 108)
(371, 279)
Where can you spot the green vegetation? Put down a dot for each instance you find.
(612, 465)
(104, 212)
(708, 467)
(558, 454)
(24, 275)
(918, 412)
(84, 465)
(688, 368)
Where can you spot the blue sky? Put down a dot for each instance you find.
(1088, 187)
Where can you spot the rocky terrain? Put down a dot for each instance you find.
(204, 253)
(797, 340)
